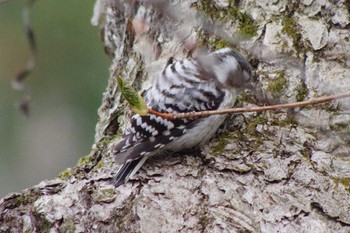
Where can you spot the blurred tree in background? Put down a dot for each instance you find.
(66, 88)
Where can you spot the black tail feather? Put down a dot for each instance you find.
(124, 172)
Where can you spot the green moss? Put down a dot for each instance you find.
(220, 44)
(20, 201)
(45, 225)
(345, 181)
(84, 160)
(211, 42)
(291, 29)
(288, 121)
(219, 147)
(246, 97)
(65, 175)
(284, 46)
(205, 6)
(99, 165)
(246, 25)
(204, 220)
(253, 123)
(302, 92)
(289, 26)
(306, 154)
(240, 136)
(24, 199)
(68, 225)
(277, 85)
(107, 140)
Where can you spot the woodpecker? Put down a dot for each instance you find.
(208, 82)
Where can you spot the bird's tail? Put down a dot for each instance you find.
(127, 170)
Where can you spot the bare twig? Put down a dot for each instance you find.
(18, 82)
(319, 100)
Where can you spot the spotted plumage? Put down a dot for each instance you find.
(208, 82)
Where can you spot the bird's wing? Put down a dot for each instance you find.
(146, 134)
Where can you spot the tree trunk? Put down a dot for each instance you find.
(286, 171)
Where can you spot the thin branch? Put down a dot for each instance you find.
(18, 82)
(319, 100)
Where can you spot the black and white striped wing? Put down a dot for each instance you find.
(146, 135)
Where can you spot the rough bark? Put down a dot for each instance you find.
(286, 171)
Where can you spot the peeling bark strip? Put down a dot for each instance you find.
(271, 172)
